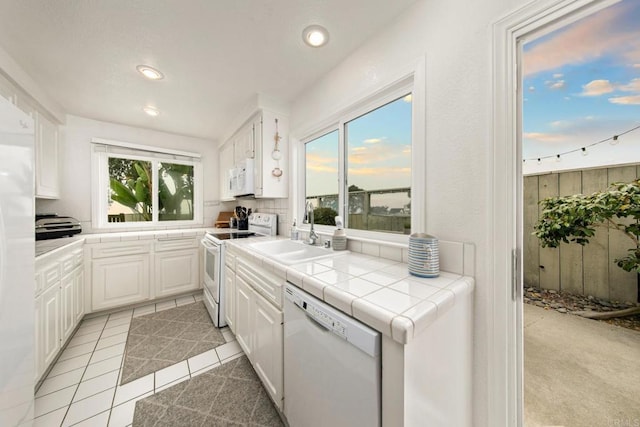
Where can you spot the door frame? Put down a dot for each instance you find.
(506, 391)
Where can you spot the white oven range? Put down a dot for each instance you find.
(260, 224)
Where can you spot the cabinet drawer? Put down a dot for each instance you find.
(39, 280)
(266, 284)
(50, 276)
(67, 264)
(119, 250)
(78, 257)
(174, 243)
(230, 261)
(70, 262)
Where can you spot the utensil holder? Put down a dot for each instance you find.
(243, 224)
(424, 255)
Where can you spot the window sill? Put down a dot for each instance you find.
(391, 240)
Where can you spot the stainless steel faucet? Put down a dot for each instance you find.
(313, 237)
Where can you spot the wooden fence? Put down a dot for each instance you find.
(585, 270)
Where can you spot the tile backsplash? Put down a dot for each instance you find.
(276, 206)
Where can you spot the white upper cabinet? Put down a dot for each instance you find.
(225, 166)
(47, 184)
(256, 139)
(46, 147)
(243, 144)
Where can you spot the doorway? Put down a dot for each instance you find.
(528, 23)
(579, 119)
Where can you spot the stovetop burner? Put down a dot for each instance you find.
(231, 236)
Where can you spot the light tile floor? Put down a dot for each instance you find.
(82, 387)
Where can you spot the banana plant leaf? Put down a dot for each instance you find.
(123, 195)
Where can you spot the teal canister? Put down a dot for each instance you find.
(424, 255)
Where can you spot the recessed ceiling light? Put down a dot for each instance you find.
(315, 35)
(150, 72)
(152, 111)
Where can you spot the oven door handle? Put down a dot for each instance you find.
(210, 246)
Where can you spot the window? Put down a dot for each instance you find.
(136, 188)
(321, 177)
(378, 173)
(362, 167)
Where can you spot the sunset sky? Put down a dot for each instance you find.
(379, 150)
(581, 85)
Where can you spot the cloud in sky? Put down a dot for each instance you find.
(559, 84)
(558, 75)
(632, 86)
(372, 154)
(584, 41)
(545, 137)
(597, 88)
(322, 163)
(380, 171)
(373, 140)
(626, 100)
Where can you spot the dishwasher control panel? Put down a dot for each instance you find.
(319, 315)
(335, 321)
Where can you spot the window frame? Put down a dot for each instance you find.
(101, 152)
(411, 82)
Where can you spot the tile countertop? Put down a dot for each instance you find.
(377, 291)
(47, 246)
(50, 245)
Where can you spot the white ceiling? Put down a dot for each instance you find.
(215, 54)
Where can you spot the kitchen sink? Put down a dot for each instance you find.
(292, 251)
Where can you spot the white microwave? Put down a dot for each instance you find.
(241, 178)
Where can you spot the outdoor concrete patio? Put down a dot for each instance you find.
(579, 372)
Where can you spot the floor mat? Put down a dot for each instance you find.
(161, 339)
(229, 395)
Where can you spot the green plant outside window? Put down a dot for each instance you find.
(132, 193)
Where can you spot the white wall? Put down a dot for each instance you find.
(75, 165)
(455, 37)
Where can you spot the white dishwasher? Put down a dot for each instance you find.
(332, 369)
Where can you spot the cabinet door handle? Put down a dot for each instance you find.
(170, 239)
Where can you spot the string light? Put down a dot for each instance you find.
(612, 140)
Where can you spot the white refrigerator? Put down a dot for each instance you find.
(17, 256)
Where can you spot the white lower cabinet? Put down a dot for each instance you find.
(177, 271)
(268, 346)
(259, 325)
(50, 324)
(37, 348)
(78, 303)
(119, 280)
(230, 298)
(124, 273)
(244, 316)
(67, 293)
(59, 304)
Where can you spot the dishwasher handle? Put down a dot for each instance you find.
(302, 306)
(319, 325)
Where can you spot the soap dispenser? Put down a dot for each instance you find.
(339, 239)
(294, 231)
